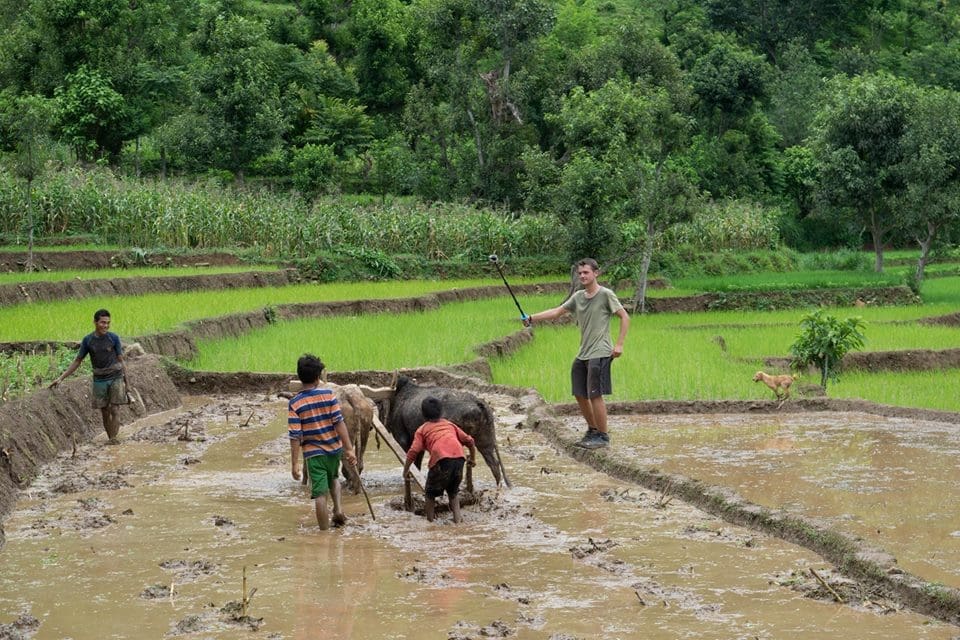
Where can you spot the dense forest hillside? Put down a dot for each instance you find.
(836, 123)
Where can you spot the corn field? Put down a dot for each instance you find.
(205, 215)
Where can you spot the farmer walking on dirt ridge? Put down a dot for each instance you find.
(318, 439)
(109, 373)
(592, 306)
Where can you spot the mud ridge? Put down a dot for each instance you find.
(49, 291)
(804, 405)
(35, 429)
(839, 297)
(13, 261)
(902, 360)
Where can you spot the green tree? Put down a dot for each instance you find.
(25, 122)
(622, 159)
(795, 93)
(729, 81)
(237, 89)
(55, 45)
(931, 170)
(314, 169)
(381, 30)
(91, 115)
(769, 25)
(859, 140)
(823, 341)
(389, 163)
(468, 52)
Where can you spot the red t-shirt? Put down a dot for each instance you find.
(441, 438)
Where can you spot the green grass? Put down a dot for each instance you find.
(113, 274)
(139, 315)
(668, 356)
(443, 336)
(21, 374)
(925, 389)
(788, 281)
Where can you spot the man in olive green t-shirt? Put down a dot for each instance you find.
(592, 306)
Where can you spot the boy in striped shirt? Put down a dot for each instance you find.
(318, 433)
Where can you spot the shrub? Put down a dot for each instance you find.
(729, 225)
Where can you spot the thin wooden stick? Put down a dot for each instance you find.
(825, 585)
(364, 489)
(243, 595)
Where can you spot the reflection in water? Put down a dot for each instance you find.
(152, 537)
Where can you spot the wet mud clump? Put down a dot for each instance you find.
(229, 615)
(467, 631)
(155, 592)
(189, 571)
(23, 628)
(111, 480)
(826, 585)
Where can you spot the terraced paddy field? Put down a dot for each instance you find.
(651, 538)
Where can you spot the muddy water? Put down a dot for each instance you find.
(152, 538)
(891, 481)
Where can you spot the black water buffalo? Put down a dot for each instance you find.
(464, 409)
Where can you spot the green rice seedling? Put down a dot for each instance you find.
(925, 389)
(942, 291)
(444, 336)
(112, 274)
(792, 280)
(139, 315)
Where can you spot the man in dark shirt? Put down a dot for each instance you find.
(109, 376)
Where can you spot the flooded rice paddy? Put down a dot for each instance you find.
(891, 481)
(153, 539)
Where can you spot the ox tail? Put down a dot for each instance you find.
(503, 470)
(495, 465)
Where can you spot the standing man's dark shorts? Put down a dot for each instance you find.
(108, 392)
(591, 378)
(445, 476)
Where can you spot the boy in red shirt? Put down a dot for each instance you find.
(444, 441)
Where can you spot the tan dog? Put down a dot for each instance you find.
(780, 385)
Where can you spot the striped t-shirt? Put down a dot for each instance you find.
(312, 417)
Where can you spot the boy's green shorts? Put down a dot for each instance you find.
(323, 473)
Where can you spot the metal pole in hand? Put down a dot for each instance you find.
(496, 262)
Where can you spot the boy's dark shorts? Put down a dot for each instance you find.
(323, 473)
(591, 378)
(445, 476)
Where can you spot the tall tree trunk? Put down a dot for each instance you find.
(877, 232)
(476, 136)
(640, 298)
(163, 162)
(136, 157)
(925, 245)
(29, 266)
(824, 371)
